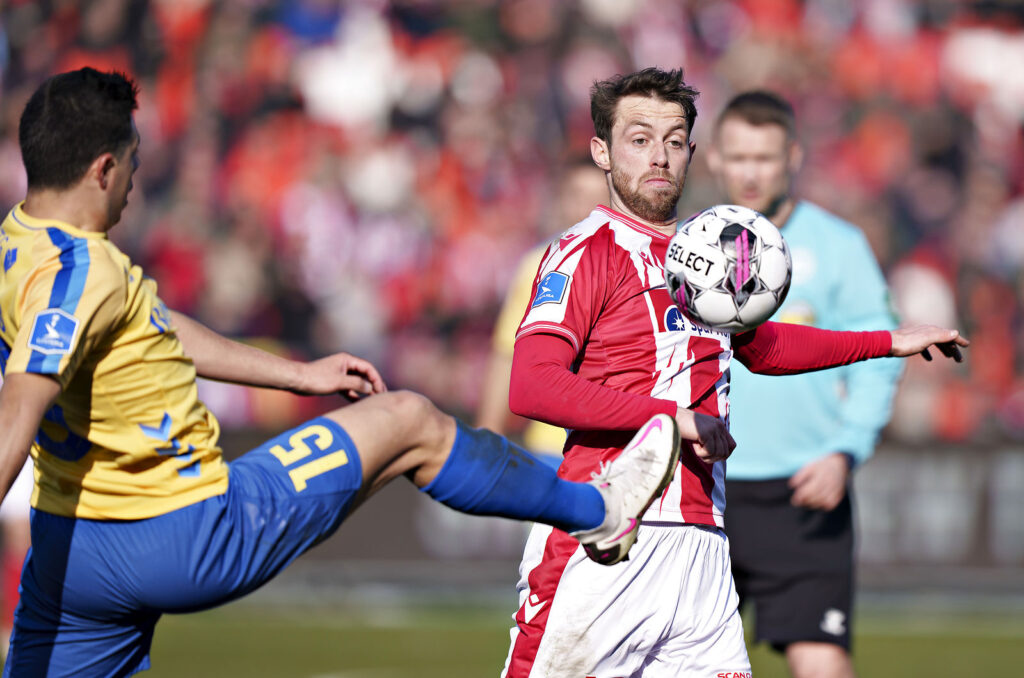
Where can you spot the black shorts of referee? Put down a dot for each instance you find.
(794, 564)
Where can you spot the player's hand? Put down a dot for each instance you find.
(710, 438)
(910, 340)
(341, 373)
(821, 484)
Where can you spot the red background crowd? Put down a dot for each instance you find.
(363, 176)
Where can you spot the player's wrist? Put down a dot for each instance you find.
(297, 377)
(687, 420)
(850, 459)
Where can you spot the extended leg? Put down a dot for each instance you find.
(479, 472)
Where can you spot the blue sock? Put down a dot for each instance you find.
(487, 475)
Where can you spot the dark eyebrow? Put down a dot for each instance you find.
(647, 125)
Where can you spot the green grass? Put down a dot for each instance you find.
(392, 642)
(265, 642)
(940, 655)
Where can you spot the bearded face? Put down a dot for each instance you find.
(647, 158)
(646, 196)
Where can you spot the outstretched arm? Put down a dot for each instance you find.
(219, 358)
(24, 398)
(779, 348)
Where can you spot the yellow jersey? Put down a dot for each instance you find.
(128, 437)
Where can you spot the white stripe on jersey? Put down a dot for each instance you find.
(548, 315)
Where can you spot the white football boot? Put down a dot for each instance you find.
(630, 484)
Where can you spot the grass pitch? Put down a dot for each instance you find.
(428, 641)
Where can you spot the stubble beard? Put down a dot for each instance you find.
(774, 206)
(659, 209)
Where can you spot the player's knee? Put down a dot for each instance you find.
(423, 424)
(809, 659)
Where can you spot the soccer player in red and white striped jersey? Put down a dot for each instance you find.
(600, 350)
(601, 303)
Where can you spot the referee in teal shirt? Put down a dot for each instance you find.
(788, 492)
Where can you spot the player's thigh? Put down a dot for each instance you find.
(706, 636)
(91, 650)
(570, 614)
(670, 604)
(78, 614)
(283, 497)
(294, 490)
(396, 433)
(76, 646)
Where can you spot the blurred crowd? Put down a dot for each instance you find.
(329, 175)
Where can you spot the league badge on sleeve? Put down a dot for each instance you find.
(53, 332)
(551, 289)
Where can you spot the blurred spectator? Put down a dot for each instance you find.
(581, 186)
(307, 161)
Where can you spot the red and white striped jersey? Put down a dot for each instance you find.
(601, 286)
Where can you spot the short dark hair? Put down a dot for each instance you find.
(760, 107)
(650, 82)
(72, 119)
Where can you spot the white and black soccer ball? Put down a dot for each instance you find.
(728, 268)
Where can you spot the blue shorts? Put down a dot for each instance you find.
(92, 591)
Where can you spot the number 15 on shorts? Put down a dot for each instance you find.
(302, 444)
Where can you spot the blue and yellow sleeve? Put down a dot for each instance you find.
(69, 303)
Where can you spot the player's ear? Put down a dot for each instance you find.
(101, 168)
(714, 159)
(796, 157)
(600, 153)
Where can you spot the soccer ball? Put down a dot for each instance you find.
(728, 268)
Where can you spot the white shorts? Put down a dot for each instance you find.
(16, 504)
(670, 610)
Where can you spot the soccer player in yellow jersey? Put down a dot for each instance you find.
(135, 512)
